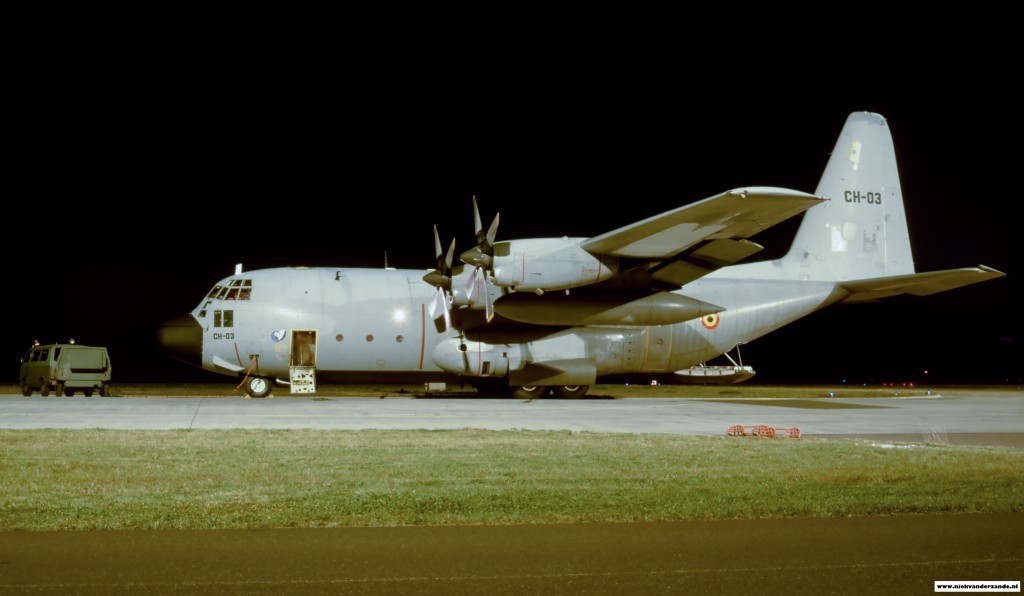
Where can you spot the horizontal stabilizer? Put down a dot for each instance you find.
(917, 284)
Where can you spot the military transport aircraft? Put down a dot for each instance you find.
(528, 316)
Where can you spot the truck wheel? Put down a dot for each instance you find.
(105, 390)
(571, 391)
(69, 392)
(25, 389)
(88, 392)
(44, 389)
(258, 387)
(529, 392)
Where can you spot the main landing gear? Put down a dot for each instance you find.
(563, 391)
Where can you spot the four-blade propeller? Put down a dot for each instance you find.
(481, 257)
(441, 278)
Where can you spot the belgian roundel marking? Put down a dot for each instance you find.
(710, 321)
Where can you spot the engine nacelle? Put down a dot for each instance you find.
(473, 358)
(548, 264)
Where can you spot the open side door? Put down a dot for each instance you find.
(302, 363)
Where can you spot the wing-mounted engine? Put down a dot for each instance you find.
(546, 264)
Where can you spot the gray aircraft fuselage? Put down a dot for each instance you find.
(373, 324)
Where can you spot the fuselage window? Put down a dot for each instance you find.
(399, 339)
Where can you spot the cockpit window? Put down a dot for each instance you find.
(236, 289)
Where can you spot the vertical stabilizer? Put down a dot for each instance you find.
(861, 232)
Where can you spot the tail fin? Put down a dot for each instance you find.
(861, 232)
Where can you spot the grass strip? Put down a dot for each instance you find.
(104, 479)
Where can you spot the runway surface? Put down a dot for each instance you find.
(877, 555)
(966, 418)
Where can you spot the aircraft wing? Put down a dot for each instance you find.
(917, 284)
(689, 242)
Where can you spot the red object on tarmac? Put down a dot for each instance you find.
(761, 430)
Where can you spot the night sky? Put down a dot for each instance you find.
(138, 202)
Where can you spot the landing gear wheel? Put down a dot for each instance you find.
(529, 392)
(44, 390)
(571, 391)
(25, 389)
(58, 389)
(87, 392)
(69, 392)
(258, 387)
(105, 390)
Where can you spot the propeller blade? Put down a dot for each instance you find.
(478, 227)
(488, 305)
(432, 307)
(448, 258)
(437, 245)
(447, 315)
(471, 284)
(493, 230)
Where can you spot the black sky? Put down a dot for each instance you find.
(140, 197)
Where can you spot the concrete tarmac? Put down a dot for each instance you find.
(966, 418)
(876, 555)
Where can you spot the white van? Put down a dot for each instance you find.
(65, 368)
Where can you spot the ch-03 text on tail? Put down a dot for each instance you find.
(527, 316)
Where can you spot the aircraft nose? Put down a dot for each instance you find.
(182, 338)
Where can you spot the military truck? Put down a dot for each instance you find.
(65, 368)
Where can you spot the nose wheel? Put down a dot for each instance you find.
(258, 386)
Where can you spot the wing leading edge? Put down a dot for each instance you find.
(687, 243)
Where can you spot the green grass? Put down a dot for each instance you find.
(78, 479)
